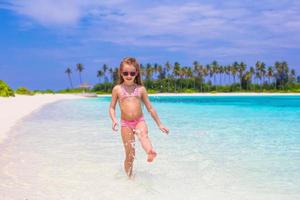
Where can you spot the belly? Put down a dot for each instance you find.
(131, 109)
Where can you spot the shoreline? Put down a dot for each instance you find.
(16, 108)
(216, 94)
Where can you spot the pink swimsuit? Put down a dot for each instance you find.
(130, 123)
(142, 134)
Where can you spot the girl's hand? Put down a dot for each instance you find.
(163, 129)
(115, 126)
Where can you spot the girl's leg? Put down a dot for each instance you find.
(128, 141)
(141, 130)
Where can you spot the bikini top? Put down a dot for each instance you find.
(125, 94)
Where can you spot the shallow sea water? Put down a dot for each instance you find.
(218, 148)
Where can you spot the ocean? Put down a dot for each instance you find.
(219, 147)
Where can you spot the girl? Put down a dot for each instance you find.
(130, 92)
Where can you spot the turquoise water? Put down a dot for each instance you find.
(218, 148)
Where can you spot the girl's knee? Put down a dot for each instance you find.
(143, 136)
(141, 131)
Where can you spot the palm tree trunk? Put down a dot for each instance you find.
(168, 85)
(240, 83)
(194, 83)
(70, 80)
(201, 86)
(175, 85)
(104, 83)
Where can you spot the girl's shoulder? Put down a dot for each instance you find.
(117, 88)
(141, 88)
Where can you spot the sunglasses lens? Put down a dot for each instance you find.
(127, 73)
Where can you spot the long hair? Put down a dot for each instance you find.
(133, 62)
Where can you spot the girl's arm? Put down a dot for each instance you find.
(112, 107)
(152, 111)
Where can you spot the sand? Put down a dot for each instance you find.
(13, 109)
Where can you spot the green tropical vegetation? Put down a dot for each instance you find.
(83, 86)
(5, 90)
(213, 77)
(47, 91)
(24, 91)
(175, 78)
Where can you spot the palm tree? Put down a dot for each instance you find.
(99, 74)
(270, 74)
(263, 72)
(247, 78)
(161, 72)
(148, 71)
(189, 74)
(285, 73)
(257, 76)
(196, 71)
(104, 69)
(281, 73)
(111, 74)
(252, 72)
(168, 69)
(215, 70)
(155, 69)
(234, 70)
(205, 74)
(278, 72)
(143, 71)
(292, 76)
(176, 71)
(110, 70)
(69, 72)
(182, 74)
(227, 71)
(115, 74)
(80, 68)
(221, 72)
(260, 70)
(210, 73)
(199, 73)
(242, 68)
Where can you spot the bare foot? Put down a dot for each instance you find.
(151, 155)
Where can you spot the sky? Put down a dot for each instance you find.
(39, 39)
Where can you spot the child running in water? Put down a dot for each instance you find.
(131, 93)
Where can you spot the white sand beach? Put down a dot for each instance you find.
(15, 108)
